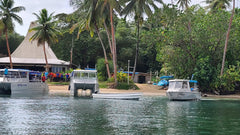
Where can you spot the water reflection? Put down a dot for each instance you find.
(150, 115)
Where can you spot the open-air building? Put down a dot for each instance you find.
(29, 55)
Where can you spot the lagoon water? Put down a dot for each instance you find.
(150, 115)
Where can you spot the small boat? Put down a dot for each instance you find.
(120, 96)
(83, 79)
(22, 82)
(183, 90)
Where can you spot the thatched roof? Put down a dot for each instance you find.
(28, 52)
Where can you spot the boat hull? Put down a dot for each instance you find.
(23, 89)
(120, 96)
(183, 96)
(5, 88)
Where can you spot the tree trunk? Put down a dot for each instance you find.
(108, 35)
(71, 53)
(113, 47)
(137, 51)
(227, 37)
(45, 55)
(104, 52)
(8, 48)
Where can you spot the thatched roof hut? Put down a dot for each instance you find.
(31, 56)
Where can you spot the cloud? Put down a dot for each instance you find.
(34, 6)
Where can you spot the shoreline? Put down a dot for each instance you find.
(145, 89)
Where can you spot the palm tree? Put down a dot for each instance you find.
(8, 14)
(112, 5)
(227, 37)
(45, 31)
(183, 3)
(139, 8)
(90, 23)
(216, 4)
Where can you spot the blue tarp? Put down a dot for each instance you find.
(166, 77)
(163, 83)
(90, 69)
(193, 81)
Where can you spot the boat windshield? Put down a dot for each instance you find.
(35, 77)
(92, 75)
(14, 74)
(84, 75)
(178, 85)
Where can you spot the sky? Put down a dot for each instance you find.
(34, 6)
(56, 6)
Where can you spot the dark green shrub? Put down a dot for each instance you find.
(229, 81)
(102, 70)
(125, 86)
(204, 73)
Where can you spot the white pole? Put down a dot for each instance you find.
(128, 70)
(150, 76)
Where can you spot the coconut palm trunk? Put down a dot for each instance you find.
(104, 51)
(45, 55)
(8, 48)
(227, 37)
(108, 35)
(113, 46)
(137, 50)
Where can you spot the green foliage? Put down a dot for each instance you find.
(122, 77)
(102, 70)
(155, 79)
(67, 71)
(8, 14)
(14, 41)
(194, 45)
(103, 84)
(123, 82)
(46, 30)
(229, 81)
(125, 86)
(110, 80)
(86, 50)
(172, 42)
(204, 73)
(58, 83)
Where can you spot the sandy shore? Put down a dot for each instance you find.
(145, 89)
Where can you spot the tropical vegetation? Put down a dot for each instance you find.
(45, 31)
(7, 15)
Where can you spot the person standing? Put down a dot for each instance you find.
(43, 78)
(6, 71)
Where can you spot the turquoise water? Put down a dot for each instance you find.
(150, 115)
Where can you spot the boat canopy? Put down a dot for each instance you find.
(84, 73)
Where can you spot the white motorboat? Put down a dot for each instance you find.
(183, 90)
(21, 82)
(83, 79)
(120, 96)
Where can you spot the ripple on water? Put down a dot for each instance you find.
(150, 115)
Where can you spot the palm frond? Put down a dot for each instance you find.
(17, 9)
